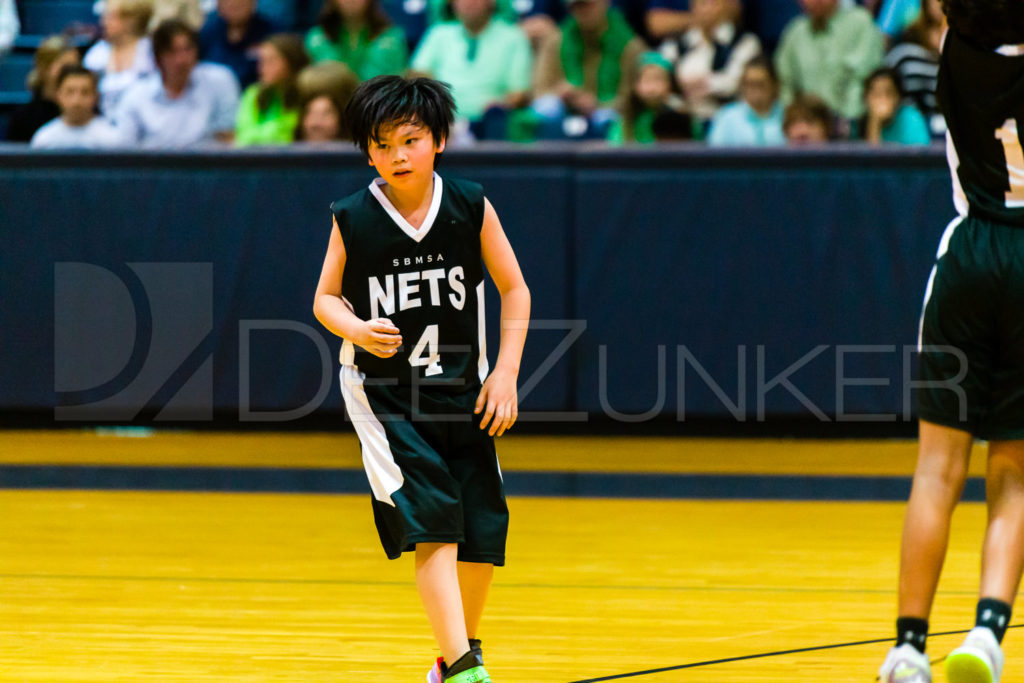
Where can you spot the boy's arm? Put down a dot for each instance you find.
(498, 399)
(378, 336)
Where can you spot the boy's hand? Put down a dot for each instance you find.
(498, 399)
(380, 337)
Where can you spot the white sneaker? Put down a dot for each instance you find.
(435, 674)
(904, 664)
(978, 660)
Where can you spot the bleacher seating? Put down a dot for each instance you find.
(14, 68)
(41, 18)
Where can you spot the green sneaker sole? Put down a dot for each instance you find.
(477, 674)
(963, 667)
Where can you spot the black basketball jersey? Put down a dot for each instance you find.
(981, 94)
(429, 282)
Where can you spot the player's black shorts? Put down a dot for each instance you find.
(972, 332)
(433, 472)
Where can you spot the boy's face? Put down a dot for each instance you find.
(77, 99)
(404, 155)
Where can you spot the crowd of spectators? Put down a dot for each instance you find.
(164, 75)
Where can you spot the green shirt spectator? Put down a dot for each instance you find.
(487, 66)
(274, 125)
(359, 35)
(829, 52)
(268, 113)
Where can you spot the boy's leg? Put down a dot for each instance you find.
(943, 455)
(437, 579)
(474, 584)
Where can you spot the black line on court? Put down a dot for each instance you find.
(762, 655)
(548, 484)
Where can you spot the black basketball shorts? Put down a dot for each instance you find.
(433, 472)
(972, 332)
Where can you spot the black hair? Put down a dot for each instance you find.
(987, 23)
(167, 31)
(75, 70)
(885, 72)
(385, 101)
(762, 62)
(881, 72)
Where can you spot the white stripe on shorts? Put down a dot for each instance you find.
(385, 476)
(943, 247)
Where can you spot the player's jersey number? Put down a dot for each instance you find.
(1007, 134)
(425, 352)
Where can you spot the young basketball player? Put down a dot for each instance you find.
(972, 337)
(409, 253)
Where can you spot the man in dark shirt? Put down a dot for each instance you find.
(232, 35)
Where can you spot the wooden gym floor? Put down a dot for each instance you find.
(123, 585)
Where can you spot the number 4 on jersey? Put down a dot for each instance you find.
(1014, 163)
(428, 341)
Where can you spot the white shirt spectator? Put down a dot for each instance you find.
(97, 134)
(113, 84)
(150, 118)
(9, 25)
(694, 57)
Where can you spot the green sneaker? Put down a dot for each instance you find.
(477, 674)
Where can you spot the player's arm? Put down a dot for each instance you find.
(498, 398)
(378, 336)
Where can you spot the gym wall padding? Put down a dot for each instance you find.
(671, 282)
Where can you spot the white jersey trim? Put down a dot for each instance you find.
(399, 219)
(383, 473)
(482, 366)
(1010, 50)
(947, 235)
(960, 201)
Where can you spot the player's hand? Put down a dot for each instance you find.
(499, 402)
(380, 337)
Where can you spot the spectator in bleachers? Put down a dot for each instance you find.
(709, 58)
(539, 19)
(325, 89)
(269, 111)
(486, 60)
(654, 91)
(186, 103)
(666, 19)
(9, 25)
(78, 126)
(53, 55)
(887, 118)
(829, 51)
(125, 54)
(756, 119)
(807, 120)
(232, 35)
(585, 71)
(915, 58)
(358, 34)
(189, 11)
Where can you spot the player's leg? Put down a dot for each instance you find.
(474, 584)
(943, 455)
(437, 580)
(1002, 561)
